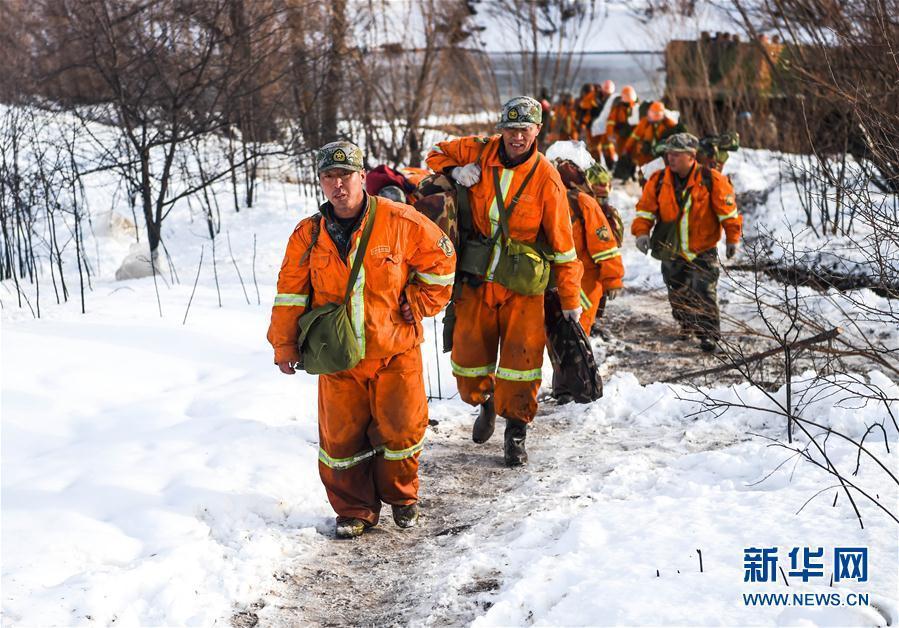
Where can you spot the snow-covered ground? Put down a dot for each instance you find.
(157, 470)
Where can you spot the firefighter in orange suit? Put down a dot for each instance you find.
(692, 205)
(618, 127)
(372, 417)
(652, 130)
(595, 241)
(490, 316)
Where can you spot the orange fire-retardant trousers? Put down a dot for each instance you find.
(371, 423)
(591, 289)
(488, 318)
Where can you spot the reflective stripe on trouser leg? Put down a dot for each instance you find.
(398, 426)
(521, 354)
(475, 343)
(346, 453)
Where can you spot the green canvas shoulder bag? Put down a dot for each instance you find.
(327, 341)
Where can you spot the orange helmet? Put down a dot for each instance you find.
(608, 87)
(656, 111)
(628, 94)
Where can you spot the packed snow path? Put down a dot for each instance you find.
(627, 486)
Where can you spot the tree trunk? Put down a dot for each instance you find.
(333, 79)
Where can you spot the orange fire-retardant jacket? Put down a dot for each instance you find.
(406, 252)
(564, 122)
(595, 242)
(704, 214)
(618, 126)
(542, 206)
(644, 138)
(586, 105)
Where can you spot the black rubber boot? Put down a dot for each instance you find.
(707, 344)
(563, 399)
(485, 423)
(513, 447)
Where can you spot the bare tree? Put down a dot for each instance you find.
(400, 78)
(547, 37)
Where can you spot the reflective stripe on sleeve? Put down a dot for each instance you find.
(604, 255)
(646, 215)
(733, 214)
(402, 454)
(567, 256)
(292, 299)
(585, 301)
(436, 280)
(518, 376)
(473, 371)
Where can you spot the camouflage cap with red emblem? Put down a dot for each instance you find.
(520, 112)
(342, 154)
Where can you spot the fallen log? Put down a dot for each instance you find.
(755, 357)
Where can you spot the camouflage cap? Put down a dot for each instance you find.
(682, 143)
(597, 174)
(344, 155)
(520, 112)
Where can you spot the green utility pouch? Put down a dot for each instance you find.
(522, 268)
(327, 341)
(475, 256)
(663, 241)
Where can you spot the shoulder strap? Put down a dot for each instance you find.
(506, 212)
(316, 229)
(706, 174)
(659, 179)
(575, 205)
(363, 245)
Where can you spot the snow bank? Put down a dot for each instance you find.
(643, 488)
(779, 223)
(574, 151)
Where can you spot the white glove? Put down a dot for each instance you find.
(612, 293)
(730, 249)
(643, 243)
(573, 315)
(467, 175)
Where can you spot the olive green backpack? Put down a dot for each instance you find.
(327, 341)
